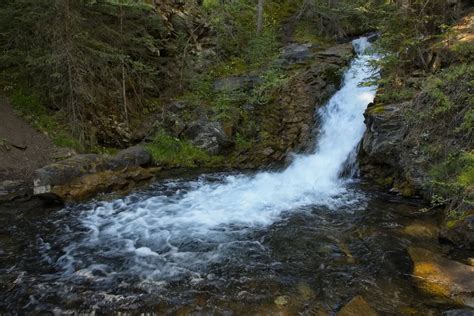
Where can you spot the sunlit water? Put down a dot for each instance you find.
(222, 239)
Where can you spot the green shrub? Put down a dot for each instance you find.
(173, 152)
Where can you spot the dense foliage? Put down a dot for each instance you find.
(79, 59)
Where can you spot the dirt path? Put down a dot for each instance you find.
(22, 148)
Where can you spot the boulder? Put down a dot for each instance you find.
(13, 189)
(209, 136)
(384, 133)
(338, 54)
(461, 233)
(68, 178)
(131, 157)
(440, 276)
(88, 186)
(357, 306)
(296, 53)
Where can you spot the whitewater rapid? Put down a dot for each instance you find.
(188, 225)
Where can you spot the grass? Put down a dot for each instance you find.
(173, 152)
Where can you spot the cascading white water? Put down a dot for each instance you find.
(150, 235)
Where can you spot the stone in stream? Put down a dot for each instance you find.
(83, 176)
(440, 276)
(357, 306)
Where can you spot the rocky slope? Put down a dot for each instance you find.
(424, 144)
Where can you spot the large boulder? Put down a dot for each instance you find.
(440, 276)
(461, 233)
(209, 136)
(77, 177)
(296, 53)
(384, 133)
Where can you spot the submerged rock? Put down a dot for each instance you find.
(422, 230)
(83, 176)
(440, 276)
(357, 306)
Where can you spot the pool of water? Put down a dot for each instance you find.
(316, 257)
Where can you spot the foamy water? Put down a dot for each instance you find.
(187, 226)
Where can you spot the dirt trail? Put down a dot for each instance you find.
(22, 148)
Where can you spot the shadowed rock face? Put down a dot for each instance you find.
(209, 136)
(83, 176)
(384, 134)
(462, 233)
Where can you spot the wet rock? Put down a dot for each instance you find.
(209, 136)
(103, 182)
(305, 291)
(13, 189)
(458, 312)
(237, 83)
(462, 233)
(384, 133)
(422, 230)
(440, 276)
(83, 176)
(357, 306)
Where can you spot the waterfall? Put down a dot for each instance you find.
(151, 235)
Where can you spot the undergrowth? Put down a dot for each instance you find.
(173, 152)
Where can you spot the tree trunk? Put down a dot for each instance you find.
(260, 16)
(124, 86)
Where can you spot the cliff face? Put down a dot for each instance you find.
(424, 145)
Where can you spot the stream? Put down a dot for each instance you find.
(294, 242)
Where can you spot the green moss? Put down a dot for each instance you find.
(173, 152)
(376, 109)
